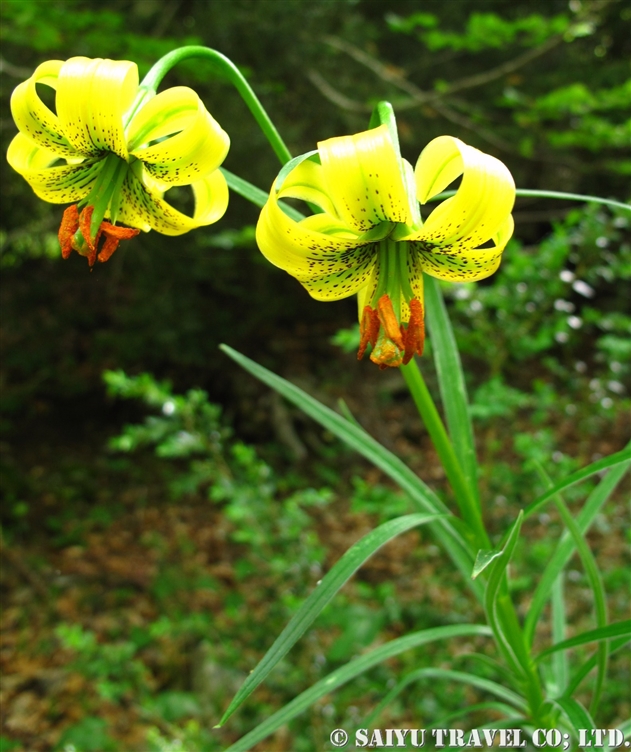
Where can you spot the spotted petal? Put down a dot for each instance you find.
(348, 274)
(483, 201)
(33, 118)
(469, 266)
(92, 97)
(143, 206)
(198, 147)
(56, 184)
(312, 248)
(363, 178)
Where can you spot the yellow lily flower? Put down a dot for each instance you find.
(116, 148)
(369, 237)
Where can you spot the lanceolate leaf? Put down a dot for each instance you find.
(255, 195)
(577, 477)
(592, 662)
(566, 546)
(449, 676)
(343, 570)
(577, 715)
(445, 529)
(617, 629)
(350, 671)
(506, 634)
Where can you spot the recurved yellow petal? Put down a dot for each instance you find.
(468, 266)
(33, 118)
(346, 279)
(59, 184)
(484, 199)
(295, 247)
(364, 180)
(92, 97)
(147, 210)
(306, 182)
(197, 144)
(438, 165)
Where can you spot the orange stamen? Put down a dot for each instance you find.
(74, 234)
(69, 225)
(368, 330)
(414, 335)
(113, 236)
(389, 321)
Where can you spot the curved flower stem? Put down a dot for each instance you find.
(427, 409)
(526, 192)
(230, 71)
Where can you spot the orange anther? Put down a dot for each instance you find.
(389, 321)
(414, 335)
(69, 225)
(368, 330)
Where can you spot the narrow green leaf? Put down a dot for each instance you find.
(452, 384)
(577, 477)
(482, 561)
(498, 707)
(446, 529)
(559, 662)
(507, 634)
(256, 195)
(616, 629)
(448, 675)
(350, 671)
(576, 714)
(595, 581)
(465, 496)
(566, 546)
(340, 573)
(526, 192)
(591, 663)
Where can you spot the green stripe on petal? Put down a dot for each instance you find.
(364, 180)
(484, 199)
(33, 118)
(165, 114)
(328, 225)
(92, 97)
(367, 293)
(197, 150)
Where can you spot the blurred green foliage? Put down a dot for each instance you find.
(542, 84)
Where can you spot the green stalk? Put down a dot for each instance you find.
(527, 192)
(429, 414)
(228, 69)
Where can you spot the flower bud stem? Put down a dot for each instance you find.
(230, 71)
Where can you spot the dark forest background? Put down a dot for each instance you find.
(144, 572)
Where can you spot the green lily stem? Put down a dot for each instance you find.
(230, 71)
(595, 580)
(429, 414)
(526, 192)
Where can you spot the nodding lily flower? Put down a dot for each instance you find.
(369, 238)
(115, 148)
